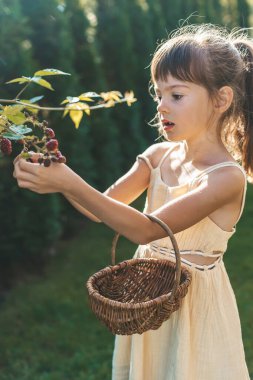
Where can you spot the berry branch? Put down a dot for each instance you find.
(19, 119)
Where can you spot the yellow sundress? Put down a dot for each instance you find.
(202, 340)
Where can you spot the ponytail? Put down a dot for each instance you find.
(245, 48)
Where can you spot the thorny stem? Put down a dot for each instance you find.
(56, 108)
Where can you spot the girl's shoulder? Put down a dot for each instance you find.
(155, 152)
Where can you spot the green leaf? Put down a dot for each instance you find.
(72, 99)
(85, 98)
(76, 117)
(13, 109)
(17, 118)
(20, 129)
(45, 72)
(12, 136)
(66, 111)
(90, 94)
(3, 120)
(30, 109)
(42, 82)
(36, 99)
(20, 80)
(14, 114)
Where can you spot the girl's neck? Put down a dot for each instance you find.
(207, 152)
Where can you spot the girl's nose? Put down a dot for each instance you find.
(162, 106)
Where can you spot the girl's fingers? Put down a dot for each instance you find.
(25, 179)
(23, 176)
(28, 166)
(35, 156)
(19, 173)
(26, 185)
(16, 159)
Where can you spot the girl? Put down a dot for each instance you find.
(203, 83)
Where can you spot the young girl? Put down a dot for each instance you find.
(203, 83)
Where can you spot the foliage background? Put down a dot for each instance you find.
(105, 45)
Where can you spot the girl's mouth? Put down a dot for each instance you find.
(167, 125)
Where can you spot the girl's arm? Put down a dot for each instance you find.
(218, 189)
(131, 185)
(126, 189)
(82, 210)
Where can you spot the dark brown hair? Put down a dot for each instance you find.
(212, 57)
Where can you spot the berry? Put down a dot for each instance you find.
(6, 146)
(52, 145)
(47, 162)
(50, 133)
(62, 160)
(45, 123)
(40, 160)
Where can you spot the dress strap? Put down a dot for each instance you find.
(144, 158)
(166, 154)
(222, 165)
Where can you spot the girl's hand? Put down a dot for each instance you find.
(40, 179)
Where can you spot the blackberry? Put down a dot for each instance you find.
(40, 160)
(5, 146)
(62, 160)
(47, 162)
(49, 133)
(52, 145)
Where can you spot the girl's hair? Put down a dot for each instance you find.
(212, 57)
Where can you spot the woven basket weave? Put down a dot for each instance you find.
(137, 295)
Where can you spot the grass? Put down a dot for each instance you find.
(48, 331)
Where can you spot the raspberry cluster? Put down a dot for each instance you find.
(46, 145)
(52, 154)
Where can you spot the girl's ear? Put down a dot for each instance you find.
(224, 99)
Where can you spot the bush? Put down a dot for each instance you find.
(27, 231)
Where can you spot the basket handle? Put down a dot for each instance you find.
(175, 246)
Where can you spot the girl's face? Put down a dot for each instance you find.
(185, 109)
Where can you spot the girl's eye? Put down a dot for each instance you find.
(177, 96)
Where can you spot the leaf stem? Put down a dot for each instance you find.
(23, 89)
(14, 101)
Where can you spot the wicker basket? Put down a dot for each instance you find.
(139, 294)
